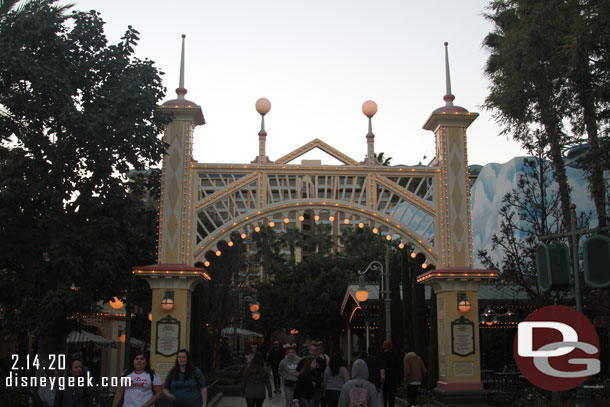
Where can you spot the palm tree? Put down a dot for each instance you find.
(385, 161)
(268, 247)
(292, 238)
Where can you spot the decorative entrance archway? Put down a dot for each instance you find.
(428, 207)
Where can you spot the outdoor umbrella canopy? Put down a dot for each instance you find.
(84, 337)
(231, 331)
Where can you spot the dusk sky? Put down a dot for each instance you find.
(317, 62)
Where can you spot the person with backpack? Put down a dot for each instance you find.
(185, 384)
(359, 392)
(79, 394)
(255, 381)
(145, 386)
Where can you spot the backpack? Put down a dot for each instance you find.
(358, 396)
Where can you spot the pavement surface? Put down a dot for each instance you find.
(278, 400)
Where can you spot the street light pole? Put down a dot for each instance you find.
(384, 291)
(386, 295)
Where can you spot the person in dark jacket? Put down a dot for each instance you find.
(305, 386)
(393, 374)
(275, 356)
(78, 395)
(255, 381)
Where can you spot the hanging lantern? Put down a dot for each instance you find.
(256, 316)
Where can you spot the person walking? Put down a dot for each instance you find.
(185, 384)
(359, 391)
(393, 374)
(335, 376)
(79, 394)
(275, 356)
(145, 385)
(255, 381)
(414, 372)
(288, 371)
(376, 369)
(306, 383)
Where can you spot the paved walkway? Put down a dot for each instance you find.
(277, 401)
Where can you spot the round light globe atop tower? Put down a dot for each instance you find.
(369, 108)
(263, 105)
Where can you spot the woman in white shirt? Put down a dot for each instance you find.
(145, 387)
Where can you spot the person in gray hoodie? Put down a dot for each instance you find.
(360, 376)
(288, 371)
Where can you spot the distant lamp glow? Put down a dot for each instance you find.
(286, 220)
(206, 263)
(362, 293)
(510, 312)
(218, 253)
(424, 266)
(150, 316)
(316, 218)
(271, 224)
(332, 218)
(346, 221)
(243, 235)
(361, 225)
(401, 245)
(369, 108)
(115, 303)
(230, 244)
(122, 338)
(257, 229)
(375, 230)
(294, 332)
(256, 316)
(301, 218)
(388, 237)
(206, 275)
(413, 255)
(254, 306)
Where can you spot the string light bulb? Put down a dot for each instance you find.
(375, 230)
(243, 235)
(230, 244)
(271, 224)
(361, 225)
(346, 221)
(257, 229)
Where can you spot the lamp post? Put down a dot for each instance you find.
(362, 294)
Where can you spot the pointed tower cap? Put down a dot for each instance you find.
(448, 98)
(180, 101)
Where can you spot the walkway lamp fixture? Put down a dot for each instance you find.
(463, 303)
(167, 303)
(256, 316)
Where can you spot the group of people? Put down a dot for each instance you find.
(317, 380)
(184, 385)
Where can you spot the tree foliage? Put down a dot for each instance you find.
(76, 114)
(550, 77)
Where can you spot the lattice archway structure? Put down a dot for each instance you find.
(429, 207)
(396, 200)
